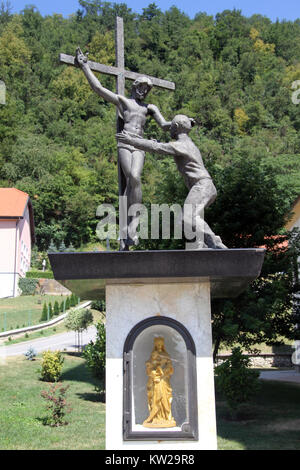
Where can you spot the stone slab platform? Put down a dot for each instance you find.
(229, 271)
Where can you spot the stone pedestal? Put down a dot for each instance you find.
(141, 287)
(189, 304)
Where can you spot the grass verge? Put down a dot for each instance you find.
(23, 408)
(24, 310)
(270, 422)
(53, 330)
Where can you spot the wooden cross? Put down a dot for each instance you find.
(119, 71)
(2, 92)
(121, 75)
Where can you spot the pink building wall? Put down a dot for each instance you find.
(15, 253)
(24, 246)
(8, 243)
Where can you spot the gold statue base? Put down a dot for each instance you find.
(162, 424)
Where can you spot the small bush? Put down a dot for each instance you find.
(30, 354)
(52, 364)
(28, 286)
(94, 353)
(44, 316)
(67, 303)
(98, 305)
(57, 405)
(73, 300)
(235, 380)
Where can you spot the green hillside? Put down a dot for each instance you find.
(233, 75)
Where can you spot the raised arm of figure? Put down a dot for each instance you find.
(95, 84)
(156, 114)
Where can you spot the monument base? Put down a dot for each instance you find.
(163, 294)
(187, 303)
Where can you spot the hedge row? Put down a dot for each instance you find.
(39, 275)
(58, 308)
(28, 286)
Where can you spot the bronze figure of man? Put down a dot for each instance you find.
(133, 112)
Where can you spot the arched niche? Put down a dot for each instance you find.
(180, 348)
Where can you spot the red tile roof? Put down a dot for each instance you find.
(295, 215)
(13, 202)
(280, 242)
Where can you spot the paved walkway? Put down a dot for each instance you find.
(60, 342)
(281, 375)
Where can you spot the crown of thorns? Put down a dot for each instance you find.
(141, 80)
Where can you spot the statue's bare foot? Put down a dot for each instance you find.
(133, 241)
(123, 245)
(219, 244)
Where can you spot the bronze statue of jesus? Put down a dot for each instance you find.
(133, 112)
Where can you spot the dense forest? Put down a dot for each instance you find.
(233, 75)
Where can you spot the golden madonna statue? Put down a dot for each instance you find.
(159, 391)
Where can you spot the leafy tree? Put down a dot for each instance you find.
(79, 320)
(52, 364)
(57, 405)
(5, 12)
(233, 74)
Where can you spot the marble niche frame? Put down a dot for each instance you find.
(189, 429)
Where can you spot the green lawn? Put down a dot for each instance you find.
(271, 422)
(24, 309)
(22, 408)
(53, 330)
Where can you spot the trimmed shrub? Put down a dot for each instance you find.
(28, 286)
(68, 303)
(50, 310)
(39, 275)
(98, 305)
(73, 300)
(79, 320)
(52, 364)
(235, 380)
(44, 316)
(56, 308)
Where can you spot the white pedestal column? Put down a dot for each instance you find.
(189, 304)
